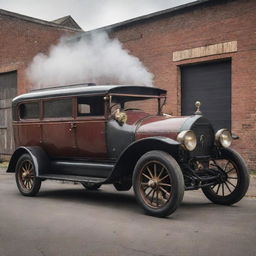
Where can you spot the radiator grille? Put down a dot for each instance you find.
(205, 139)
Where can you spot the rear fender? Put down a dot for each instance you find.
(125, 164)
(38, 155)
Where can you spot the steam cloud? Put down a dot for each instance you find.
(95, 58)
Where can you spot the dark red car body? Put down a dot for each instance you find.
(74, 133)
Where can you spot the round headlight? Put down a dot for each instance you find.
(187, 139)
(223, 137)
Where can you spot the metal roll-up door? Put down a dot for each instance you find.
(209, 83)
(8, 90)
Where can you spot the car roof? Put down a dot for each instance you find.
(85, 89)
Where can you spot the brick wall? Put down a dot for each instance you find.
(154, 41)
(21, 40)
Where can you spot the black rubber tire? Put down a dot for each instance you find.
(123, 186)
(89, 186)
(176, 178)
(35, 186)
(242, 183)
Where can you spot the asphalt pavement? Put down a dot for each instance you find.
(65, 219)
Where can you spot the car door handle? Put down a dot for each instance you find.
(72, 126)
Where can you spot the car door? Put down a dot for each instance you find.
(26, 126)
(90, 127)
(58, 135)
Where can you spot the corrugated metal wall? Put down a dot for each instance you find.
(8, 90)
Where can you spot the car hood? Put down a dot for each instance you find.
(167, 126)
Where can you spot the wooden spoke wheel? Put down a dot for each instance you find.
(158, 183)
(27, 182)
(234, 179)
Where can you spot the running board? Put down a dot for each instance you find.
(87, 169)
(73, 178)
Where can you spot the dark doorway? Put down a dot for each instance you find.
(209, 83)
(8, 90)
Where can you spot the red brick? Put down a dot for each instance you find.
(203, 25)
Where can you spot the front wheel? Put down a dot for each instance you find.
(27, 182)
(158, 183)
(234, 179)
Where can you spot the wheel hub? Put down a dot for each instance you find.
(153, 183)
(25, 174)
(223, 176)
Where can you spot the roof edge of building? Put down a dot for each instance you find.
(35, 20)
(69, 18)
(155, 15)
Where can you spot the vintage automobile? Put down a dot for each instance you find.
(101, 135)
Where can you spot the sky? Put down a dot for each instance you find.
(89, 14)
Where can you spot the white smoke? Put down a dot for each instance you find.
(95, 58)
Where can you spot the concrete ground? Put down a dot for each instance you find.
(65, 219)
(252, 188)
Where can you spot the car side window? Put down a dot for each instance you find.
(58, 108)
(29, 110)
(90, 106)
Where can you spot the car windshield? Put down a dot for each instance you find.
(150, 105)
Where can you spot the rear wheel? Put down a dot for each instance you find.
(27, 182)
(234, 179)
(124, 186)
(91, 186)
(158, 183)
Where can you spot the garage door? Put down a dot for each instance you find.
(209, 83)
(8, 90)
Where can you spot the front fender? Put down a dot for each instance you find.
(40, 158)
(126, 162)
